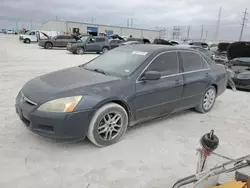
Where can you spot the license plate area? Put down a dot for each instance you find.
(22, 116)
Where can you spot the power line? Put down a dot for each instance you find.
(244, 20)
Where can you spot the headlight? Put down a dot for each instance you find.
(243, 76)
(231, 73)
(67, 104)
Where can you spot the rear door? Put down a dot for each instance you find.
(59, 41)
(155, 97)
(196, 75)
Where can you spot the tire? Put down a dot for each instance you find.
(207, 100)
(48, 45)
(106, 132)
(104, 50)
(27, 41)
(80, 51)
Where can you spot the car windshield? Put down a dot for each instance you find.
(84, 38)
(118, 62)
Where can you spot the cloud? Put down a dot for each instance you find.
(146, 14)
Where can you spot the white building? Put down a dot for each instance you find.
(95, 29)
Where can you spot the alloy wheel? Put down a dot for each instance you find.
(209, 99)
(110, 126)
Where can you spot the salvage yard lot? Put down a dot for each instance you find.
(153, 154)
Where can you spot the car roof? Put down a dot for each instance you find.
(154, 47)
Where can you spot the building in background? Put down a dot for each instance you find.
(96, 29)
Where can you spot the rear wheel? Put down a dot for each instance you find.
(104, 50)
(108, 125)
(80, 51)
(207, 101)
(48, 45)
(27, 41)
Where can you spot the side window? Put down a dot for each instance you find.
(33, 33)
(166, 63)
(100, 39)
(193, 61)
(65, 37)
(59, 37)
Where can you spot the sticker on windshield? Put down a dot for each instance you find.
(126, 70)
(139, 53)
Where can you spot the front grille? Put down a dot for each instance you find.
(25, 99)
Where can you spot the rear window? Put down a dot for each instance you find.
(193, 61)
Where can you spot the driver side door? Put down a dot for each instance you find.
(162, 96)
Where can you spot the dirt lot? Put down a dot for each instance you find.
(153, 154)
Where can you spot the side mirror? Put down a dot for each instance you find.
(151, 75)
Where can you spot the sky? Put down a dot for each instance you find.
(151, 14)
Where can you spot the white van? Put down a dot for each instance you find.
(35, 35)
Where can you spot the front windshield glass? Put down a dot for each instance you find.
(118, 62)
(83, 39)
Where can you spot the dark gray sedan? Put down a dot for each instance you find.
(127, 85)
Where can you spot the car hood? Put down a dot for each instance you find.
(63, 83)
(238, 49)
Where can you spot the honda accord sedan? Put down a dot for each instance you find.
(125, 86)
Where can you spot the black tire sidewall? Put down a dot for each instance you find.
(210, 87)
(97, 138)
(48, 47)
(103, 50)
(27, 41)
(80, 48)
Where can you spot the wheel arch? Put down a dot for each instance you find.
(120, 102)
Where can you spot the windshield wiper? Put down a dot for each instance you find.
(100, 71)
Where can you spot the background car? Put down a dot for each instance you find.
(201, 44)
(162, 41)
(125, 86)
(130, 43)
(142, 40)
(238, 66)
(99, 44)
(57, 41)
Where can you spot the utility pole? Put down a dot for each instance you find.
(206, 34)
(202, 30)
(188, 31)
(127, 22)
(92, 19)
(244, 20)
(31, 24)
(17, 25)
(217, 25)
(56, 18)
(131, 22)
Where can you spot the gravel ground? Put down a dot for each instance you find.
(153, 154)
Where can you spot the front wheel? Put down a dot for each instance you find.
(207, 101)
(27, 41)
(48, 45)
(104, 50)
(108, 125)
(79, 51)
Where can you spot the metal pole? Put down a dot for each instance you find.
(31, 24)
(243, 24)
(217, 25)
(188, 32)
(202, 30)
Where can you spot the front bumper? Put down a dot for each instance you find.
(71, 48)
(242, 83)
(53, 125)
